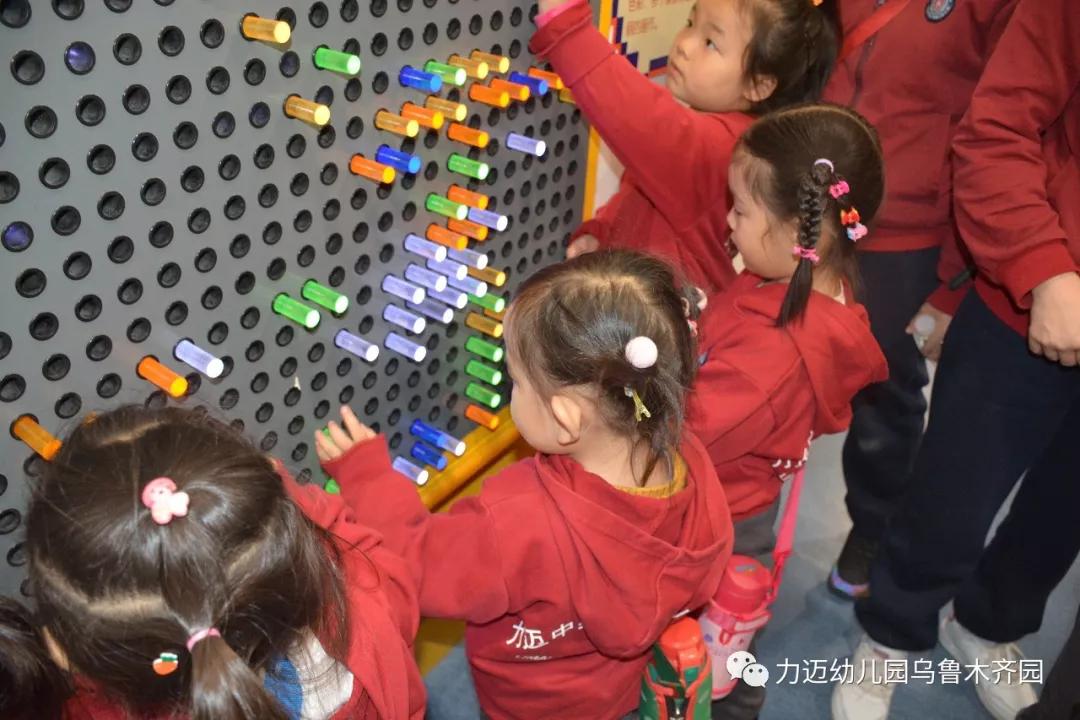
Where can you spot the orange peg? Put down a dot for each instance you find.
(360, 165)
(467, 197)
(480, 416)
(490, 275)
(37, 438)
(449, 108)
(517, 92)
(441, 235)
(152, 371)
(467, 135)
(554, 81)
(489, 95)
(426, 117)
(467, 227)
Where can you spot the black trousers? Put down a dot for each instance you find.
(888, 418)
(997, 411)
(1060, 699)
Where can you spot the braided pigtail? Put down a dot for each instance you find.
(813, 204)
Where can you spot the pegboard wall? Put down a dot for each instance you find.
(154, 189)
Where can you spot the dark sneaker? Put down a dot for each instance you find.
(850, 579)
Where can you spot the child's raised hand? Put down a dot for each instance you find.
(335, 442)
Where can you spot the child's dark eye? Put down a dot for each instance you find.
(710, 45)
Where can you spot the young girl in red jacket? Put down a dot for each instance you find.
(177, 572)
(735, 59)
(569, 565)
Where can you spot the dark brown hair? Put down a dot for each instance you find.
(570, 324)
(780, 153)
(794, 42)
(115, 589)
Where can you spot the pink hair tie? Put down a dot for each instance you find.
(838, 189)
(857, 232)
(200, 635)
(806, 254)
(164, 501)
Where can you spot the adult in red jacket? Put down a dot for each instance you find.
(383, 620)
(563, 633)
(913, 81)
(1005, 405)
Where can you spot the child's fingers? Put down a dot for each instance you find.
(358, 430)
(324, 447)
(343, 441)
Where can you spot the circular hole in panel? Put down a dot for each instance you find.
(144, 147)
(171, 41)
(289, 64)
(15, 13)
(30, 283)
(77, 266)
(67, 9)
(178, 89)
(99, 348)
(212, 297)
(41, 121)
(88, 308)
(9, 187)
(27, 67)
(139, 330)
(212, 33)
(185, 135)
(130, 291)
(229, 167)
(161, 234)
(224, 124)
(254, 71)
(66, 220)
(111, 205)
(217, 80)
(121, 249)
(79, 58)
(101, 159)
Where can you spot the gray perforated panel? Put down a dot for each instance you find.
(153, 247)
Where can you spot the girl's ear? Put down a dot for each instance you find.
(759, 89)
(569, 418)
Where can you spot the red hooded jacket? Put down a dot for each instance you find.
(383, 620)
(913, 81)
(673, 198)
(1018, 160)
(565, 581)
(763, 392)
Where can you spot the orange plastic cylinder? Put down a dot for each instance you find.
(475, 68)
(490, 275)
(468, 228)
(517, 92)
(489, 95)
(482, 417)
(36, 437)
(486, 325)
(500, 316)
(427, 117)
(307, 110)
(396, 124)
(450, 239)
(467, 197)
(254, 27)
(553, 80)
(453, 110)
(360, 165)
(566, 96)
(467, 135)
(496, 63)
(155, 373)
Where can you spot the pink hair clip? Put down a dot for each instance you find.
(806, 254)
(164, 501)
(838, 189)
(857, 232)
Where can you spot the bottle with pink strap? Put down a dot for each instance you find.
(741, 605)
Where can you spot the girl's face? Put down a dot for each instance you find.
(764, 241)
(705, 63)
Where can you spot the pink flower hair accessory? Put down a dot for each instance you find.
(857, 232)
(164, 501)
(806, 254)
(839, 189)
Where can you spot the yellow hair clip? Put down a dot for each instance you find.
(640, 410)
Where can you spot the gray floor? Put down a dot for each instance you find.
(810, 624)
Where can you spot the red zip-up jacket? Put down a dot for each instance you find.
(383, 620)
(1018, 160)
(565, 582)
(763, 393)
(673, 197)
(913, 81)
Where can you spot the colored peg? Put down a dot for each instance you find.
(152, 371)
(526, 144)
(328, 298)
(496, 63)
(396, 124)
(434, 310)
(500, 316)
(419, 80)
(450, 74)
(336, 61)
(296, 311)
(469, 168)
(490, 219)
(429, 456)
(443, 236)
(554, 81)
(332, 487)
(37, 438)
(490, 302)
(468, 229)
(399, 288)
(489, 95)
(307, 110)
(425, 278)
(443, 206)
(475, 68)
(406, 347)
(437, 437)
(484, 349)
(398, 160)
(467, 197)
(449, 269)
(193, 355)
(489, 327)
(453, 110)
(566, 96)
(425, 248)
(467, 135)
(254, 27)
(482, 395)
(537, 86)
(516, 91)
(404, 319)
(360, 165)
(357, 346)
(482, 417)
(425, 117)
(410, 470)
(469, 257)
(490, 275)
(485, 373)
(469, 284)
(452, 297)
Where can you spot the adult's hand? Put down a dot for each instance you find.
(1054, 331)
(930, 343)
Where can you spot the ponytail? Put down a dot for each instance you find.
(224, 687)
(32, 686)
(813, 201)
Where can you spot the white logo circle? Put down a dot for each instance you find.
(755, 675)
(738, 661)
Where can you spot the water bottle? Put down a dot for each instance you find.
(677, 683)
(729, 622)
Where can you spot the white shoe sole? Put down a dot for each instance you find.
(990, 701)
